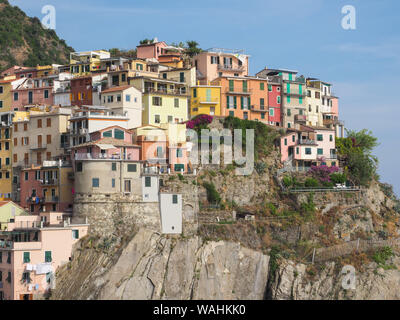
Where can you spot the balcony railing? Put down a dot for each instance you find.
(255, 107)
(102, 156)
(50, 182)
(51, 199)
(307, 142)
(38, 146)
(300, 118)
(174, 92)
(206, 101)
(35, 200)
(238, 91)
(229, 67)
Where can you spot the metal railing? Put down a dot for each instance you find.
(229, 67)
(102, 156)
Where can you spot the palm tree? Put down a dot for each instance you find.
(192, 48)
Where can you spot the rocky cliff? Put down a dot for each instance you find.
(152, 266)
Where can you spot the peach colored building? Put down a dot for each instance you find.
(214, 63)
(150, 50)
(32, 249)
(244, 98)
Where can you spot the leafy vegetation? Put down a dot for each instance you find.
(212, 194)
(23, 40)
(356, 152)
(115, 52)
(263, 135)
(381, 256)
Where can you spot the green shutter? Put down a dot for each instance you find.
(147, 182)
(227, 102)
(27, 257)
(231, 86)
(119, 134)
(174, 199)
(47, 256)
(241, 102)
(244, 86)
(234, 102)
(248, 103)
(159, 152)
(261, 85)
(288, 87)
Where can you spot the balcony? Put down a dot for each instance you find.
(40, 146)
(53, 199)
(300, 118)
(35, 200)
(50, 182)
(5, 167)
(209, 101)
(102, 156)
(328, 122)
(238, 91)
(173, 92)
(229, 67)
(294, 92)
(261, 108)
(308, 142)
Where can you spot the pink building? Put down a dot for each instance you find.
(33, 92)
(31, 250)
(150, 50)
(47, 187)
(274, 101)
(308, 146)
(215, 63)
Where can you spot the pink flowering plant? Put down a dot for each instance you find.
(323, 173)
(200, 122)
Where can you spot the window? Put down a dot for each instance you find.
(330, 138)
(159, 152)
(245, 86)
(147, 182)
(289, 112)
(9, 277)
(119, 134)
(271, 112)
(26, 176)
(95, 182)
(47, 256)
(123, 77)
(293, 138)
(179, 153)
(48, 122)
(157, 101)
(110, 99)
(75, 234)
(231, 113)
(157, 118)
(262, 103)
(261, 85)
(112, 183)
(46, 94)
(128, 98)
(1, 89)
(127, 185)
(297, 150)
(16, 127)
(15, 96)
(79, 167)
(231, 85)
(107, 133)
(262, 115)
(27, 257)
(7, 146)
(320, 151)
(25, 127)
(285, 141)
(15, 158)
(48, 139)
(320, 137)
(317, 95)
(9, 259)
(176, 103)
(118, 98)
(308, 151)
(270, 88)
(309, 93)
(174, 198)
(39, 123)
(278, 99)
(132, 168)
(1, 261)
(194, 93)
(114, 166)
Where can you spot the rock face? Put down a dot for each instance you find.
(155, 267)
(292, 281)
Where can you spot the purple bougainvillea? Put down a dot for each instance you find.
(323, 172)
(200, 120)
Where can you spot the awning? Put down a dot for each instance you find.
(105, 146)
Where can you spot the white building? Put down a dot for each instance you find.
(171, 213)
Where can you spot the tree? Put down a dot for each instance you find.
(146, 41)
(192, 48)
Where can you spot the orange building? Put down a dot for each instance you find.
(244, 98)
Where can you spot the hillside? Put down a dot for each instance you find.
(23, 40)
(277, 245)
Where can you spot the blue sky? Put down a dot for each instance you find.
(305, 35)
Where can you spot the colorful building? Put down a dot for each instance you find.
(313, 102)
(83, 63)
(8, 211)
(47, 187)
(244, 98)
(81, 91)
(32, 249)
(274, 100)
(150, 50)
(109, 164)
(308, 146)
(205, 99)
(214, 63)
(124, 100)
(164, 101)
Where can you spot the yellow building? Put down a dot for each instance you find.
(44, 71)
(8, 211)
(83, 63)
(205, 99)
(164, 101)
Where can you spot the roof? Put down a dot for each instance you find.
(120, 88)
(3, 203)
(108, 140)
(313, 128)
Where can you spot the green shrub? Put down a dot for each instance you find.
(382, 255)
(181, 177)
(338, 177)
(260, 167)
(287, 181)
(311, 183)
(272, 209)
(212, 194)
